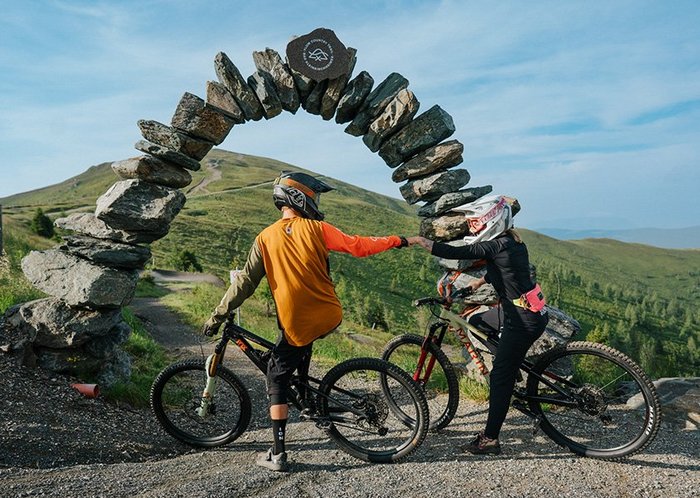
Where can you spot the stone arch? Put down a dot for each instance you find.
(94, 272)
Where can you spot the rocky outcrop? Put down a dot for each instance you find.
(680, 402)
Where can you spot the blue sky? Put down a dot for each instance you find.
(587, 112)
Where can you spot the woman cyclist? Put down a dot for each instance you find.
(492, 237)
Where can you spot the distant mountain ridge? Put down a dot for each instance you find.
(668, 238)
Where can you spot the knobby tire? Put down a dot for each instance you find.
(441, 388)
(616, 411)
(176, 394)
(356, 383)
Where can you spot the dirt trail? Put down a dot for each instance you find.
(124, 453)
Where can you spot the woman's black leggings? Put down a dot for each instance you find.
(521, 329)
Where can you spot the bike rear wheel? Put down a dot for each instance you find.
(594, 400)
(433, 372)
(176, 400)
(360, 421)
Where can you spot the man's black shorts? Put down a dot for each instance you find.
(285, 359)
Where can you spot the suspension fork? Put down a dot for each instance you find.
(429, 338)
(210, 367)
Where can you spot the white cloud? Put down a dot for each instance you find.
(509, 73)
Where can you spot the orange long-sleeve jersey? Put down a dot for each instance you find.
(293, 254)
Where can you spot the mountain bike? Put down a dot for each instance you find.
(370, 408)
(587, 397)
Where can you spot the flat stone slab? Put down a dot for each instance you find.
(453, 199)
(167, 155)
(264, 89)
(312, 103)
(433, 187)
(172, 139)
(303, 84)
(336, 86)
(231, 78)
(397, 114)
(152, 170)
(138, 206)
(427, 130)
(88, 224)
(270, 64)
(50, 322)
(354, 95)
(195, 117)
(106, 252)
(442, 156)
(444, 228)
(77, 281)
(375, 103)
(219, 97)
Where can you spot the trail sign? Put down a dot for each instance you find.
(320, 55)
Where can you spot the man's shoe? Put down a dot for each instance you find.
(482, 445)
(270, 461)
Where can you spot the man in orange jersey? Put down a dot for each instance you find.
(293, 254)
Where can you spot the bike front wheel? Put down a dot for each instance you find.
(594, 400)
(431, 370)
(357, 413)
(179, 405)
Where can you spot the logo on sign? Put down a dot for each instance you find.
(318, 54)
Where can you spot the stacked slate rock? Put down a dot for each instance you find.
(94, 272)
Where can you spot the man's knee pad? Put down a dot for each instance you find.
(278, 398)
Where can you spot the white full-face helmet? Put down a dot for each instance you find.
(487, 217)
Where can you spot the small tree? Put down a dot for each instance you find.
(42, 224)
(186, 261)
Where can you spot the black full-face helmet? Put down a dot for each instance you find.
(300, 192)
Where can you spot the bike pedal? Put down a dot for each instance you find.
(306, 414)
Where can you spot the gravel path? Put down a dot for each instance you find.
(53, 442)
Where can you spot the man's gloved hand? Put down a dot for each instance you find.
(210, 328)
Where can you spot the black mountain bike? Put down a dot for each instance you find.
(370, 408)
(587, 397)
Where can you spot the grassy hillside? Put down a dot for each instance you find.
(641, 299)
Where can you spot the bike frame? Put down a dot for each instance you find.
(245, 339)
(448, 320)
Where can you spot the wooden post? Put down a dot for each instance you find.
(0, 229)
